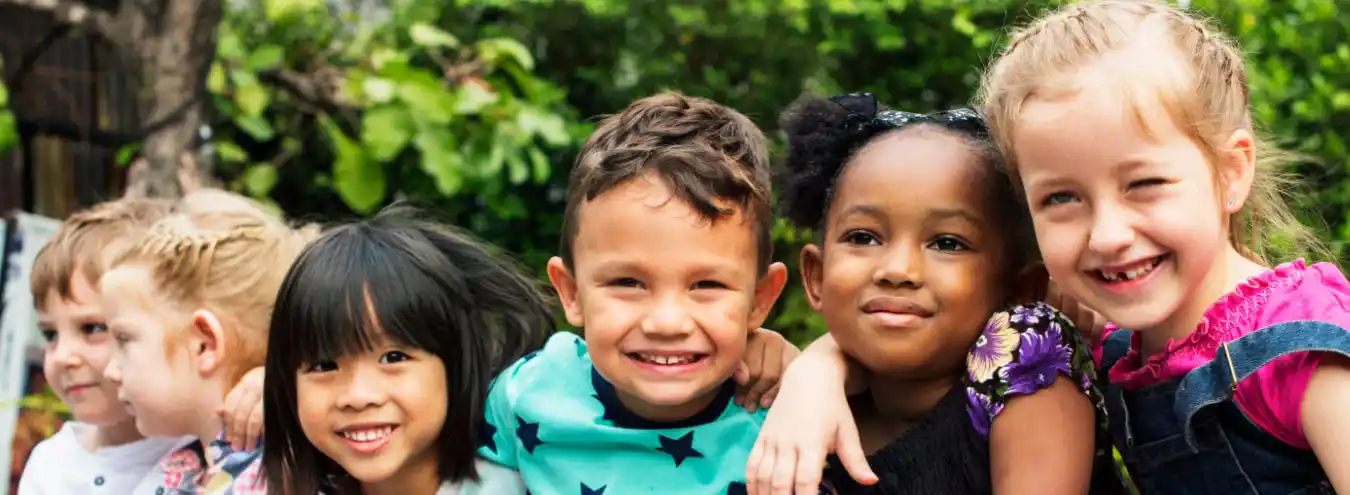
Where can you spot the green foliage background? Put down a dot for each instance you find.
(478, 106)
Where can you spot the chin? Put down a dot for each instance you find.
(372, 471)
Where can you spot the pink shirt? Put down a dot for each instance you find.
(1272, 397)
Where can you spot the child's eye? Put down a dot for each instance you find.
(861, 238)
(1057, 198)
(1151, 181)
(92, 328)
(949, 243)
(392, 357)
(321, 367)
(709, 284)
(48, 335)
(625, 282)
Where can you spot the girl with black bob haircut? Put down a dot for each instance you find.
(920, 239)
(387, 334)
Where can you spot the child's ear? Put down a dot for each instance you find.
(812, 274)
(767, 290)
(206, 342)
(1237, 168)
(566, 286)
(1029, 285)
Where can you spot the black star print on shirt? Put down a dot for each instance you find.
(679, 448)
(736, 488)
(528, 433)
(586, 490)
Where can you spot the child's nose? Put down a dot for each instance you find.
(113, 372)
(365, 389)
(669, 317)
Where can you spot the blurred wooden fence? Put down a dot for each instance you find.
(74, 110)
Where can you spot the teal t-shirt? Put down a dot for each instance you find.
(552, 417)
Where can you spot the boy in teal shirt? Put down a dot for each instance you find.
(666, 261)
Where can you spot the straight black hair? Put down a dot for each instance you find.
(420, 284)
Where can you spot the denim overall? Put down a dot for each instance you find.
(1189, 436)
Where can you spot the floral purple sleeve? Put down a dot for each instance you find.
(1021, 351)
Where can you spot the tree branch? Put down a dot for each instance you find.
(69, 12)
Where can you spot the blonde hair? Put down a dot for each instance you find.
(88, 241)
(224, 253)
(1208, 99)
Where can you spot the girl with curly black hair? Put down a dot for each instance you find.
(919, 239)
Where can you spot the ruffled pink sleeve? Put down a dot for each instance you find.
(1273, 396)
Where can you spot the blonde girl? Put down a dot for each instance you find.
(189, 310)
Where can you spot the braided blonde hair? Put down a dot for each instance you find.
(224, 253)
(1204, 90)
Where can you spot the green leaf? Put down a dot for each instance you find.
(378, 90)
(549, 126)
(229, 47)
(439, 159)
(215, 80)
(431, 36)
(252, 99)
(255, 126)
(385, 130)
(358, 181)
(4, 96)
(125, 153)
(517, 170)
(497, 50)
(230, 152)
(282, 10)
(266, 57)
(473, 98)
(8, 136)
(427, 99)
(539, 165)
(259, 180)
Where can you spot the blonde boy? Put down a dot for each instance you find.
(101, 451)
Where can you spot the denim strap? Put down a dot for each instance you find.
(1114, 348)
(1215, 381)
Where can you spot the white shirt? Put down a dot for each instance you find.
(493, 479)
(60, 465)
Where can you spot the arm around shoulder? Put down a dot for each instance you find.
(1323, 412)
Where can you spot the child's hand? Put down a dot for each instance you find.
(812, 418)
(242, 412)
(767, 355)
(1090, 324)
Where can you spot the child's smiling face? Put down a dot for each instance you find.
(667, 299)
(911, 262)
(378, 413)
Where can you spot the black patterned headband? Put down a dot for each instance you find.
(866, 117)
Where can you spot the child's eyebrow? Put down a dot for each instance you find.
(939, 214)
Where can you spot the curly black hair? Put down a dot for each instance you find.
(824, 134)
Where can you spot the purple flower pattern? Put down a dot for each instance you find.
(1020, 351)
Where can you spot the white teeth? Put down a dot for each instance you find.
(668, 360)
(1129, 274)
(367, 435)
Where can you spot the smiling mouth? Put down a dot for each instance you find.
(667, 359)
(1137, 271)
(368, 435)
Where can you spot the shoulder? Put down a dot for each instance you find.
(564, 351)
(493, 479)
(1300, 292)
(45, 461)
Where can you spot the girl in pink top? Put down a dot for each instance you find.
(1127, 125)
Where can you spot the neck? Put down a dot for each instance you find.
(664, 413)
(116, 434)
(1224, 276)
(207, 424)
(904, 401)
(419, 475)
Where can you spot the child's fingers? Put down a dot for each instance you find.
(752, 465)
(769, 375)
(850, 452)
(763, 475)
(239, 423)
(784, 472)
(255, 427)
(810, 463)
(767, 400)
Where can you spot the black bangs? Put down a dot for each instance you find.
(398, 280)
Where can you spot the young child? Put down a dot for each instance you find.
(101, 451)
(666, 263)
(188, 307)
(393, 330)
(921, 239)
(1128, 126)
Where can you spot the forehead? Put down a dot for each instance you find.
(84, 297)
(127, 286)
(641, 221)
(915, 170)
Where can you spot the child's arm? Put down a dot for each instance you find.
(811, 419)
(1323, 410)
(1026, 377)
(242, 412)
(767, 355)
